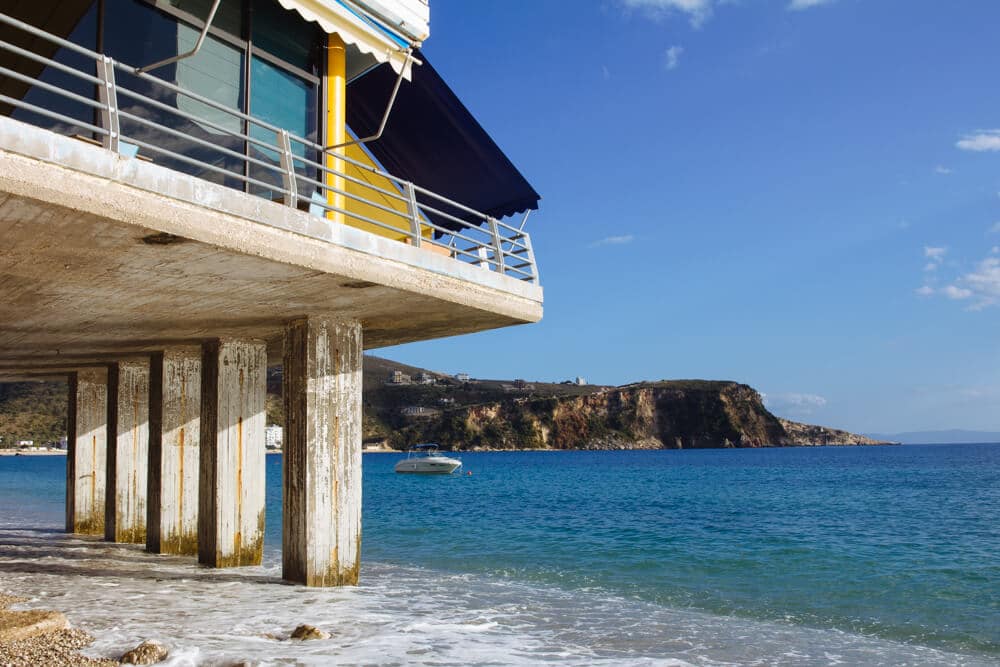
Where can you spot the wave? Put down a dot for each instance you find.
(399, 615)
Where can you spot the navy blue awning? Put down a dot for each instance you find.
(432, 140)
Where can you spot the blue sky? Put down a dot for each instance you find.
(800, 195)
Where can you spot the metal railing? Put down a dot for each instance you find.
(131, 115)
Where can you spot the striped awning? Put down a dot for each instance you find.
(380, 29)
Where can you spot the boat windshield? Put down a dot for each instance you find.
(426, 449)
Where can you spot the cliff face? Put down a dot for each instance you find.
(821, 435)
(686, 414)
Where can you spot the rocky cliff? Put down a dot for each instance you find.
(498, 414)
(686, 414)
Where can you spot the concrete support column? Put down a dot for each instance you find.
(86, 462)
(231, 482)
(321, 538)
(174, 433)
(128, 452)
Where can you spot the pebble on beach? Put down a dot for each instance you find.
(57, 648)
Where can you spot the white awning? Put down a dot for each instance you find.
(380, 29)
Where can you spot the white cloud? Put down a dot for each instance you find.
(957, 293)
(672, 57)
(925, 290)
(934, 253)
(980, 141)
(794, 403)
(613, 240)
(796, 5)
(983, 283)
(605, 72)
(697, 11)
(940, 169)
(980, 287)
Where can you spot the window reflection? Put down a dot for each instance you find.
(81, 29)
(136, 33)
(286, 101)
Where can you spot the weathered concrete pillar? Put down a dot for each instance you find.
(128, 451)
(231, 482)
(86, 462)
(321, 538)
(174, 434)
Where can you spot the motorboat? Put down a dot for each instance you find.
(426, 460)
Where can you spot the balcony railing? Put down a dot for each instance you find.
(274, 163)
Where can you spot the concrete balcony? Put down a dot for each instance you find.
(107, 255)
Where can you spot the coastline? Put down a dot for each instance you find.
(18, 452)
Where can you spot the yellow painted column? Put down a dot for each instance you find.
(336, 121)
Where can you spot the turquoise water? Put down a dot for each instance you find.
(895, 549)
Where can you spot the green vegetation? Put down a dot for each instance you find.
(32, 411)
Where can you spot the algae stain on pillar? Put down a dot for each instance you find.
(128, 451)
(232, 466)
(175, 405)
(86, 460)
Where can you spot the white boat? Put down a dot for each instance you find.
(425, 460)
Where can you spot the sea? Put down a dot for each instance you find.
(792, 556)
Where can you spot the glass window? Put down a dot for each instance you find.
(283, 33)
(138, 34)
(215, 73)
(228, 18)
(286, 101)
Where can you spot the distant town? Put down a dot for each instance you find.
(9, 445)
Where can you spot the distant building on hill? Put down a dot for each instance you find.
(462, 377)
(419, 412)
(398, 378)
(274, 437)
(579, 381)
(376, 445)
(426, 378)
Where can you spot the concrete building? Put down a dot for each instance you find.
(185, 201)
(274, 436)
(418, 412)
(398, 378)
